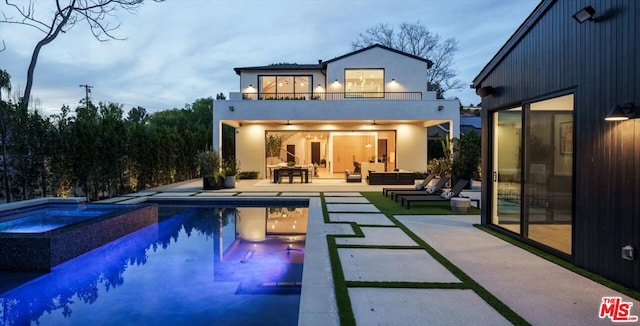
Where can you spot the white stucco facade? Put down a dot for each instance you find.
(395, 118)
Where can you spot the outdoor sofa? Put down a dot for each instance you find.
(391, 178)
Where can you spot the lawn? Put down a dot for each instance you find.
(390, 207)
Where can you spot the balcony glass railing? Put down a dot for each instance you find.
(336, 96)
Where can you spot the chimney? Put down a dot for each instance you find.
(319, 61)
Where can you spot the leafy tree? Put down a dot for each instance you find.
(85, 149)
(466, 156)
(96, 13)
(111, 147)
(416, 39)
(5, 82)
(63, 174)
(98, 152)
(5, 110)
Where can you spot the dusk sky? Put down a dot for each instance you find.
(180, 50)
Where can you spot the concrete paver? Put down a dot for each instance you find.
(384, 306)
(361, 218)
(379, 236)
(257, 194)
(361, 208)
(342, 194)
(346, 200)
(299, 194)
(389, 265)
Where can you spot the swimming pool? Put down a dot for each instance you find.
(199, 265)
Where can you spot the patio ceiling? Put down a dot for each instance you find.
(426, 123)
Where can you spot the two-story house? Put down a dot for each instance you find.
(369, 108)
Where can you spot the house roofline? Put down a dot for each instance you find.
(429, 62)
(323, 65)
(511, 43)
(293, 66)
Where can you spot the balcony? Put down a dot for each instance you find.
(337, 96)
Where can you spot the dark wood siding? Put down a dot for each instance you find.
(598, 63)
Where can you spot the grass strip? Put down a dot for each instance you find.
(407, 285)
(360, 246)
(563, 263)
(345, 310)
(493, 301)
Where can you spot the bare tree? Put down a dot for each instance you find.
(416, 39)
(96, 13)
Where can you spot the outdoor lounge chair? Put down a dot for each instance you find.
(425, 182)
(455, 192)
(433, 191)
(352, 177)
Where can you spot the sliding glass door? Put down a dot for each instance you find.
(549, 172)
(532, 181)
(507, 135)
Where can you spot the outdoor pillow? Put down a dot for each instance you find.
(431, 189)
(419, 186)
(446, 195)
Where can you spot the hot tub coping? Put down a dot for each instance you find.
(41, 201)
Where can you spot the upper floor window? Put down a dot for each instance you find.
(284, 87)
(364, 82)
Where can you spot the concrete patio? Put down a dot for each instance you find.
(540, 292)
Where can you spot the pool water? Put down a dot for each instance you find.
(198, 265)
(45, 218)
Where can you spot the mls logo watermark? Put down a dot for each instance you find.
(616, 310)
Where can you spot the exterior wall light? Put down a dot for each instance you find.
(586, 13)
(627, 253)
(621, 113)
(485, 91)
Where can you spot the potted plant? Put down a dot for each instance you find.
(230, 169)
(441, 167)
(209, 163)
(273, 146)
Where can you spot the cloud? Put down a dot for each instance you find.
(178, 51)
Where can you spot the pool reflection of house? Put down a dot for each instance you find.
(263, 249)
(561, 177)
(369, 106)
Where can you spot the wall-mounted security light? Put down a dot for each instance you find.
(231, 108)
(622, 112)
(586, 13)
(440, 107)
(251, 85)
(485, 91)
(627, 252)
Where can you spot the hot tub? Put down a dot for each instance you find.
(38, 237)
